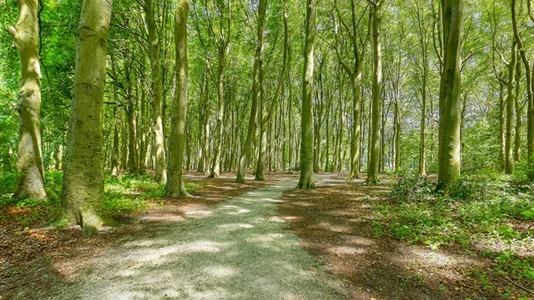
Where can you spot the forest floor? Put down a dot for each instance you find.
(244, 241)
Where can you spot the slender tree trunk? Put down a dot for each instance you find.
(530, 86)
(306, 152)
(422, 134)
(518, 114)
(31, 179)
(398, 133)
(115, 150)
(449, 104)
(175, 185)
(510, 101)
(157, 88)
(256, 92)
(374, 146)
(83, 183)
(502, 126)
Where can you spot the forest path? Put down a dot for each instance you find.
(238, 249)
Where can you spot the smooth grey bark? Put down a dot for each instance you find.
(306, 150)
(83, 183)
(175, 185)
(25, 34)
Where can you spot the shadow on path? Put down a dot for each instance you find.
(238, 249)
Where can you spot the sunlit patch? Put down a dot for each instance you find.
(226, 188)
(276, 219)
(126, 273)
(358, 240)
(235, 226)
(342, 213)
(303, 204)
(265, 238)
(334, 228)
(219, 271)
(156, 254)
(236, 210)
(345, 250)
(292, 218)
(271, 200)
(161, 218)
(195, 211)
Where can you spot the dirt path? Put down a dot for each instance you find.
(238, 249)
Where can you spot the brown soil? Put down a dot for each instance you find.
(335, 222)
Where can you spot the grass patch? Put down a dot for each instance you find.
(123, 195)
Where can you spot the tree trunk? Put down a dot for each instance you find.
(115, 150)
(530, 86)
(83, 184)
(374, 146)
(256, 92)
(31, 179)
(157, 88)
(175, 185)
(398, 133)
(502, 126)
(518, 114)
(306, 151)
(449, 100)
(510, 101)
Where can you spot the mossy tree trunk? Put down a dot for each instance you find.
(83, 183)
(518, 114)
(450, 108)
(175, 184)
(374, 145)
(306, 149)
(510, 102)
(222, 37)
(529, 81)
(31, 180)
(157, 89)
(256, 91)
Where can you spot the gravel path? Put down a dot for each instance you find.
(240, 249)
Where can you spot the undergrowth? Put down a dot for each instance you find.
(125, 194)
(495, 214)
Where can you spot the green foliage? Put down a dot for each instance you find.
(124, 194)
(412, 189)
(472, 211)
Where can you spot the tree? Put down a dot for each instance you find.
(31, 179)
(355, 73)
(257, 91)
(83, 183)
(449, 98)
(529, 81)
(175, 185)
(306, 150)
(157, 88)
(222, 41)
(374, 145)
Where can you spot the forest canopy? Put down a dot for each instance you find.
(389, 86)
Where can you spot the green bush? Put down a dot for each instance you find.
(412, 189)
